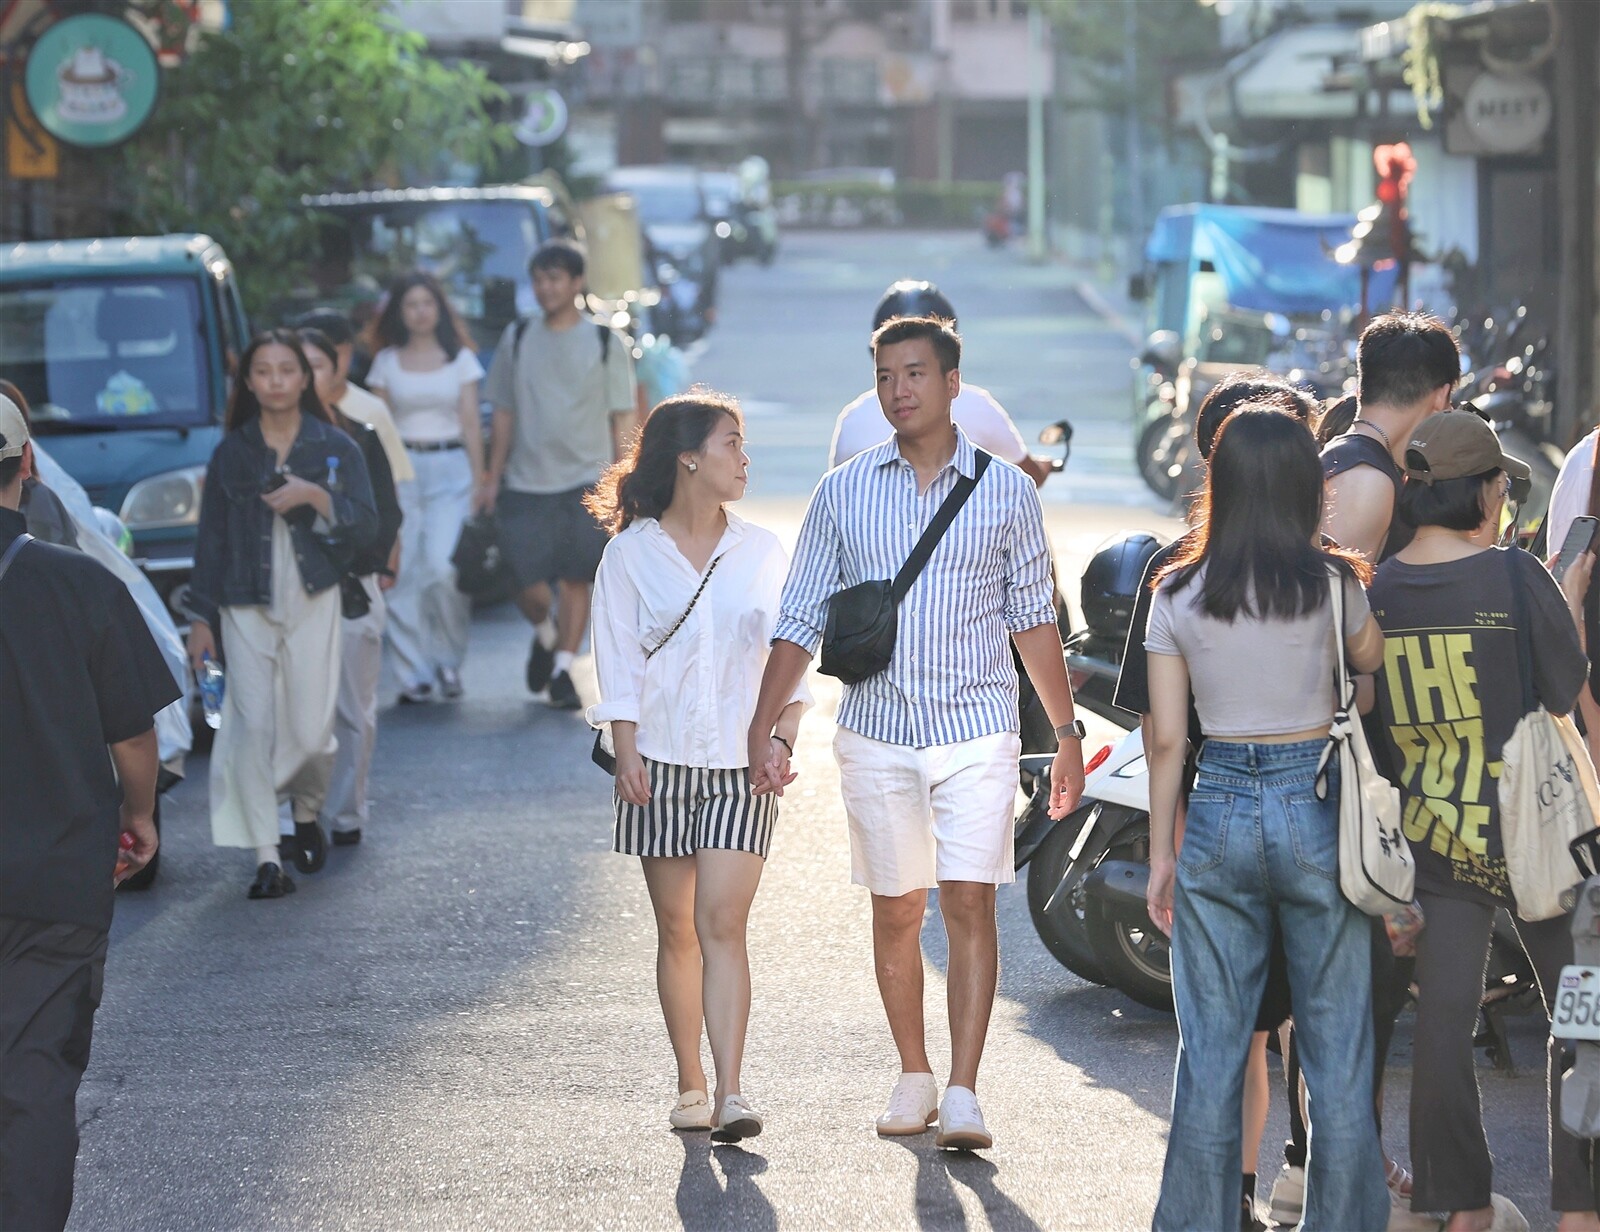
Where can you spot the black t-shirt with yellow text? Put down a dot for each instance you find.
(1451, 693)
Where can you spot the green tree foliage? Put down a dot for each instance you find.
(295, 98)
(1168, 35)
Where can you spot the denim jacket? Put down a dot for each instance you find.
(233, 554)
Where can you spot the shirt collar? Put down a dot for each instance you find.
(965, 458)
(12, 524)
(731, 536)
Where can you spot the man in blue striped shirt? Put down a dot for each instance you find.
(928, 748)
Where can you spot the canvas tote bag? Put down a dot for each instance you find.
(1376, 871)
(1548, 793)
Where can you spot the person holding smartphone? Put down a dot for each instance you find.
(286, 509)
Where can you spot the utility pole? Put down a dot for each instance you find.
(1036, 171)
(1135, 153)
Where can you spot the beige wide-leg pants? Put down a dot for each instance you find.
(276, 741)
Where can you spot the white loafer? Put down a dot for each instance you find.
(913, 1107)
(737, 1120)
(693, 1111)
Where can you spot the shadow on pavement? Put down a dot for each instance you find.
(938, 1203)
(717, 1188)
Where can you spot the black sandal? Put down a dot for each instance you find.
(309, 846)
(271, 882)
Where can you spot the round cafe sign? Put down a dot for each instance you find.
(92, 80)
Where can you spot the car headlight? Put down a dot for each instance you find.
(172, 499)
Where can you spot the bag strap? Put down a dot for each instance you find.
(920, 555)
(710, 569)
(1519, 614)
(522, 328)
(17, 544)
(1344, 693)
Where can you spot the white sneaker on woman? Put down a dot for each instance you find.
(913, 1107)
(1288, 1196)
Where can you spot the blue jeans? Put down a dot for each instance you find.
(1259, 845)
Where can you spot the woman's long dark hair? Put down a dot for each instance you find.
(641, 485)
(1259, 514)
(388, 329)
(243, 405)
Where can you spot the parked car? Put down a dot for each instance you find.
(682, 244)
(124, 347)
(746, 227)
(477, 241)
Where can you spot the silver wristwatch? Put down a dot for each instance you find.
(1071, 731)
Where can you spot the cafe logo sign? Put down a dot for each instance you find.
(1507, 115)
(92, 80)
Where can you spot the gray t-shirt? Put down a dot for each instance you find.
(1253, 677)
(562, 397)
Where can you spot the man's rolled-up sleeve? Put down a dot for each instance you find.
(813, 577)
(1030, 584)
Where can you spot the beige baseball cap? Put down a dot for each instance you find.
(13, 429)
(1455, 445)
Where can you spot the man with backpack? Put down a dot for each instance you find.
(564, 399)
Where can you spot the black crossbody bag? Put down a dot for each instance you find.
(863, 622)
(604, 757)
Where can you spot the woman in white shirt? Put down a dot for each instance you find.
(428, 373)
(684, 607)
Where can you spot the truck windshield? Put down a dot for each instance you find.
(478, 249)
(106, 353)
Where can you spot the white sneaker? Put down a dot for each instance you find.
(1288, 1199)
(913, 1107)
(693, 1111)
(961, 1126)
(738, 1120)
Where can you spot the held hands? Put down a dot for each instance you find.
(202, 642)
(1158, 894)
(1575, 582)
(1066, 778)
(485, 495)
(769, 765)
(295, 492)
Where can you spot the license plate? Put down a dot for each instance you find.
(1577, 1012)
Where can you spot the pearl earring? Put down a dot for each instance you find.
(693, 466)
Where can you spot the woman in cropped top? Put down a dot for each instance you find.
(1243, 621)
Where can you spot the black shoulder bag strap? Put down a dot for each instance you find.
(923, 552)
(17, 544)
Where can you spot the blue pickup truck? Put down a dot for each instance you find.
(123, 348)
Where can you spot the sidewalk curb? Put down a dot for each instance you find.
(1092, 295)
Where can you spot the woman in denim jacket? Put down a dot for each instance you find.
(287, 505)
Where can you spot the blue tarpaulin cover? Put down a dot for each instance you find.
(1270, 260)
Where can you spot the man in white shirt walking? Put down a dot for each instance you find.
(564, 402)
(861, 425)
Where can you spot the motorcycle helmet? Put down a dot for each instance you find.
(912, 297)
(1110, 584)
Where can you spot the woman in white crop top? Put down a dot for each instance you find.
(684, 607)
(428, 373)
(1243, 615)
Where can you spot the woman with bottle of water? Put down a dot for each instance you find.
(287, 504)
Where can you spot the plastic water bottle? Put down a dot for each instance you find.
(212, 688)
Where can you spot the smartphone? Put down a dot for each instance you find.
(279, 478)
(1580, 539)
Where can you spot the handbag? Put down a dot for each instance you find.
(859, 636)
(1376, 871)
(1548, 792)
(602, 754)
(482, 569)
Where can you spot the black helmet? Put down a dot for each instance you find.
(1111, 579)
(912, 297)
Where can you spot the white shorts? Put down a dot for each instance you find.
(922, 816)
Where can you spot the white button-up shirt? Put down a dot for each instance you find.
(694, 699)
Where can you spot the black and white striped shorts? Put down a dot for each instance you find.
(693, 809)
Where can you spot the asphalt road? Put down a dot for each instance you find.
(454, 1025)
